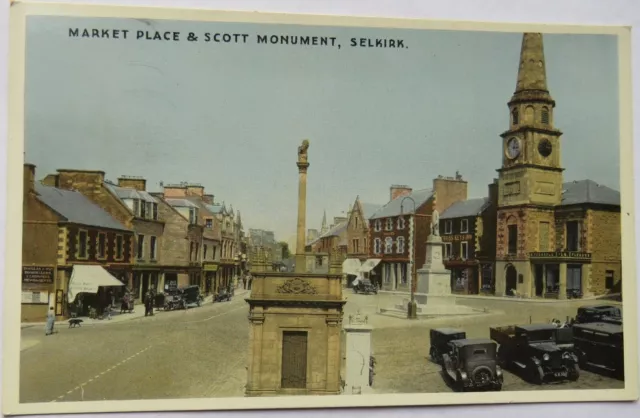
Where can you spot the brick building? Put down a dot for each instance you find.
(130, 204)
(461, 229)
(554, 238)
(63, 229)
(399, 229)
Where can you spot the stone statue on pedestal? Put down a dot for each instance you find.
(303, 151)
(435, 223)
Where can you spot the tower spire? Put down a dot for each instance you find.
(532, 74)
(324, 228)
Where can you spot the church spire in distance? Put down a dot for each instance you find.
(324, 228)
(532, 74)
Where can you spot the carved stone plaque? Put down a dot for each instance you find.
(296, 287)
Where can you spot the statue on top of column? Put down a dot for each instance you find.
(435, 223)
(302, 151)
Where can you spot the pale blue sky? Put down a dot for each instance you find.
(232, 116)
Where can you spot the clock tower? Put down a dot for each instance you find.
(530, 179)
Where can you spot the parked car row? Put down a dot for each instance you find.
(539, 353)
(185, 297)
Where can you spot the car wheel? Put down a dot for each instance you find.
(574, 373)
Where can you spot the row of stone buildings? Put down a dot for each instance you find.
(148, 241)
(532, 235)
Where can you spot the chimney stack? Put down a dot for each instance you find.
(208, 199)
(131, 182)
(399, 190)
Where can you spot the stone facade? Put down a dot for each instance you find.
(553, 239)
(309, 307)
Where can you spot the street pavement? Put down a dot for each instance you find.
(203, 352)
(200, 352)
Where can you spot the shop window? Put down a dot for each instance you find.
(512, 245)
(573, 235)
(448, 227)
(464, 250)
(140, 253)
(608, 279)
(403, 273)
(464, 225)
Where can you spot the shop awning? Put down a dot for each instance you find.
(369, 265)
(87, 279)
(351, 266)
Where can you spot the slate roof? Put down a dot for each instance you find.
(368, 209)
(181, 203)
(76, 208)
(393, 207)
(214, 208)
(464, 208)
(588, 191)
(335, 231)
(130, 193)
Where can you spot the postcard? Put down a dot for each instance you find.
(234, 210)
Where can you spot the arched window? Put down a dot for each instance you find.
(389, 224)
(400, 245)
(529, 115)
(545, 115)
(388, 245)
(376, 246)
(401, 223)
(378, 225)
(515, 117)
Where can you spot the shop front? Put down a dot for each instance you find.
(465, 278)
(91, 289)
(560, 274)
(210, 270)
(143, 281)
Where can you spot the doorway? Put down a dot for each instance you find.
(539, 274)
(511, 280)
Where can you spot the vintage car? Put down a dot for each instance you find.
(440, 338)
(600, 346)
(471, 365)
(598, 313)
(534, 352)
(364, 286)
(191, 295)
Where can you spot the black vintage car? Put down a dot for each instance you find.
(191, 295)
(440, 338)
(471, 365)
(600, 346)
(533, 352)
(182, 298)
(365, 286)
(598, 313)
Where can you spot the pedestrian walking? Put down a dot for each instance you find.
(124, 307)
(51, 320)
(244, 282)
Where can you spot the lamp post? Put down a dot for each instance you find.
(412, 308)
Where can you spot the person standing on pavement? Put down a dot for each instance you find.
(244, 281)
(51, 319)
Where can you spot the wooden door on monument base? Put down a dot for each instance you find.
(294, 360)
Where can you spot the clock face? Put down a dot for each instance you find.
(513, 148)
(545, 147)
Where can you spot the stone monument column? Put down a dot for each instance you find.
(303, 165)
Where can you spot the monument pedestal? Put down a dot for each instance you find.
(357, 356)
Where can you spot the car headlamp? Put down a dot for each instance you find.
(545, 357)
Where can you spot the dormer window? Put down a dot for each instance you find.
(136, 207)
(401, 223)
(193, 216)
(389, 224)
